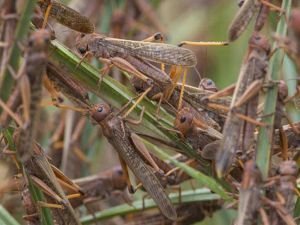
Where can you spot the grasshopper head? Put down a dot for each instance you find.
(184, 120)
(100, 111)
(82, 43)
(39, 40)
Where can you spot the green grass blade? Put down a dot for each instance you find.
(291, 77)
(6, 80)
(265, 133)
(203, 179)
(198, 195)
(6, 218)
(37, 195)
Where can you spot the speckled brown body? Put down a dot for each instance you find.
(249, 201)
(67, 16)
(195, 129)
(254, 68)
(67, 86)
(36, 62)
(105, 47)
(100, 185)
(243, 18)
(288, 171)
(119, 136)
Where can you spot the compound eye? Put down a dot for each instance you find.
(82, 50)
(257, 37)
(99, 112)
(182, 119)
(209, 82)
(30, 43)
(100, 109)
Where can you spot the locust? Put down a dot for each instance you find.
(248, 9)
(66, 16)
(135, 57)
(100, 186)
(202, 98)
(31, 216)
(61, 81)
(282, 192)
(120, 137)
(244, 101)
(291, 44)
(36, 61)
(199, 127)
(249, 201)
(195, 129)
(288, 171)
(47, 177)
(36, 165)
(105, 47)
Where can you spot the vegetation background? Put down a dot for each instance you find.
(179, 20)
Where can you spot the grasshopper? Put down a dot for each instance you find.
(134, 57)
(62, 82)
(249, 201)
(195, 129)
(282, 194)
(36, 61)
(105, 47)
(120, 137)
(248, 9)
(291, 44)
(194, 125)
(45, 177)
(244, 101)
(288, 171)
(66, 16)
(99, 186)
(35, 163)
(31, 216)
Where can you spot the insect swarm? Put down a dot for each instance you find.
(148, 146)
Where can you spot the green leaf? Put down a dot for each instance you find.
(203, 179)
(23, 26)
(264, 144)
(6, 218)
(198, 195)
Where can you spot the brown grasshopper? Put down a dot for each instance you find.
(283, 193)
(249, 197)
(288, 172)
(35, 163)
(134, 57)
(31, 216)
(120, 137)
(36, 61)
(62, 82)
(291, 44)
(66, 16)
(201, 98)
(244, 101)
(195, 129)
(99, 186)
(248, 9)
